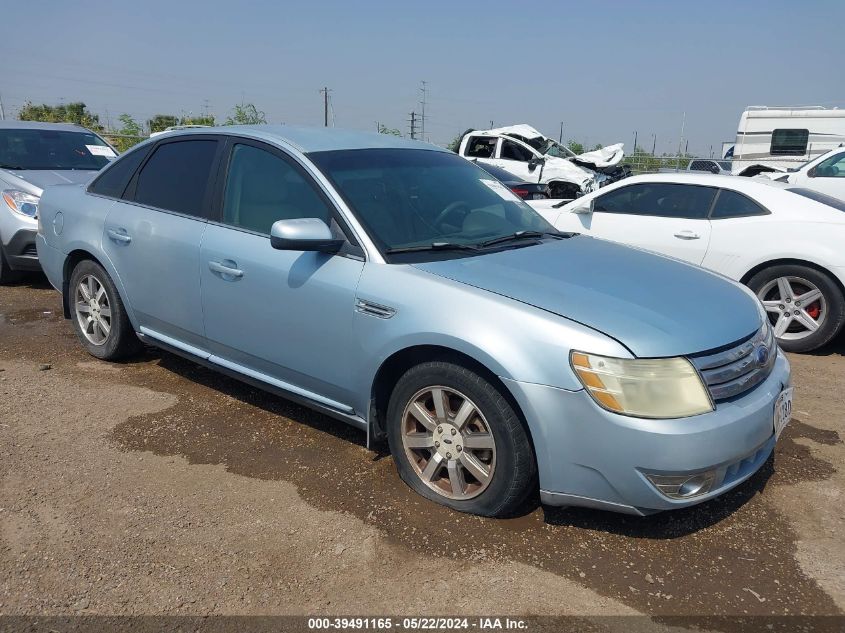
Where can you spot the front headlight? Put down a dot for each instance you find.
(21, 202)
(643, 388)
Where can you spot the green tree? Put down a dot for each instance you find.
(161, 122)
(575, 147)
(246, 114)
(76, 112)
(130, 133)
(197, 120)
(383, 129)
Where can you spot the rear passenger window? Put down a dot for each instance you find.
(262, 188)
(514, 151)
(735, 205)
(481, 146)
(176, 177)
(660, 200)
(114, 179)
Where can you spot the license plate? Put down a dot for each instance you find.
(783, 410)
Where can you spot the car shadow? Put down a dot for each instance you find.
(34, 280)
(660, 526)
(266, 401)
(835, 348)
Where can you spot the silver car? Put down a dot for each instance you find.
(397, 287)
(32, 157)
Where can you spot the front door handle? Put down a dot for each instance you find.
(119, 236)
(225, 270)
(687, 235)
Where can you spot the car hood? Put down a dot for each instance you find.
(36, 180)
(654, 305)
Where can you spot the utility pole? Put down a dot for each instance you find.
(653, 143)
(635, 140)
(2, 111)
(413, 122)
(560, 136)
(325, 93)
(491, 124)
(423, 91)
(681, 140)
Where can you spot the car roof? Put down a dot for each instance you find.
(737, 183)
(315, 139)
(38, 125)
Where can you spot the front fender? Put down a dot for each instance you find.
(511, 339)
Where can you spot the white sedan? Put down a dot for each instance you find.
(786, 243)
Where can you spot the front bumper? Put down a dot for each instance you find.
(587, 456)
(20, 251)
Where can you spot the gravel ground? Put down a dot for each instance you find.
(158, 487)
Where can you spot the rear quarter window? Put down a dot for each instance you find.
(731, 204)
(113, 180)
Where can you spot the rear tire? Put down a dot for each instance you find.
(98, 315)
(7, 275)
(805, 306)
(456, 440)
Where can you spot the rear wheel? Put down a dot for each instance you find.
(98, 315)
(805, 306)
(457, 441)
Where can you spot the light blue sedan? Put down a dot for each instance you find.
(399, 288)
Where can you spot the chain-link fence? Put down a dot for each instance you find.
(643, 163)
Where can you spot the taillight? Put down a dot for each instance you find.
(522, 193)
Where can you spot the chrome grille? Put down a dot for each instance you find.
(734, 371)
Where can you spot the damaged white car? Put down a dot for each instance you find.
(532, 157)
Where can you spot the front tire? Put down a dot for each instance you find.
(456, 440)
(804, 305)
(99, 317)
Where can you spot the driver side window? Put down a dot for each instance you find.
(262, 188)
(515, 151)
(664, 200)
(833, 167)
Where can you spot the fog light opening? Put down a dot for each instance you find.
(697, 485)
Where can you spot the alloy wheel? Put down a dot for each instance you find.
(796, 307)
(448, 442)
(93, 312)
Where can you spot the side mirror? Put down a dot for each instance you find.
(304, 234)
(715, 169)
(585, 208)
(811, 173)
(534, 163)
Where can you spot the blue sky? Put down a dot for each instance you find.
(605, 69)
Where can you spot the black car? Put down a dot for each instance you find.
(525, 190)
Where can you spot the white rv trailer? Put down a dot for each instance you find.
(782, 137)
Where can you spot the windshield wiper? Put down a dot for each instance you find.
(525, 235)
(434, 246)
(10, 167)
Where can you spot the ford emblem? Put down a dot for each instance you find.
(761, 354)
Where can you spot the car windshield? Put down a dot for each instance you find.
(39, 148)
(409, 198)
(553, 148)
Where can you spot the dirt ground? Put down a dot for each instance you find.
(158, 487)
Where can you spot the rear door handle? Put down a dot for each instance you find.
(226, 270)
(687, 235)
(119, 236)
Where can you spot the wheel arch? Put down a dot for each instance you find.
(791, 261)
(395, 365)
(72, 259)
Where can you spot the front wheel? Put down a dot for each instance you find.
(98, 315)
(805, 306)
(457, 441)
